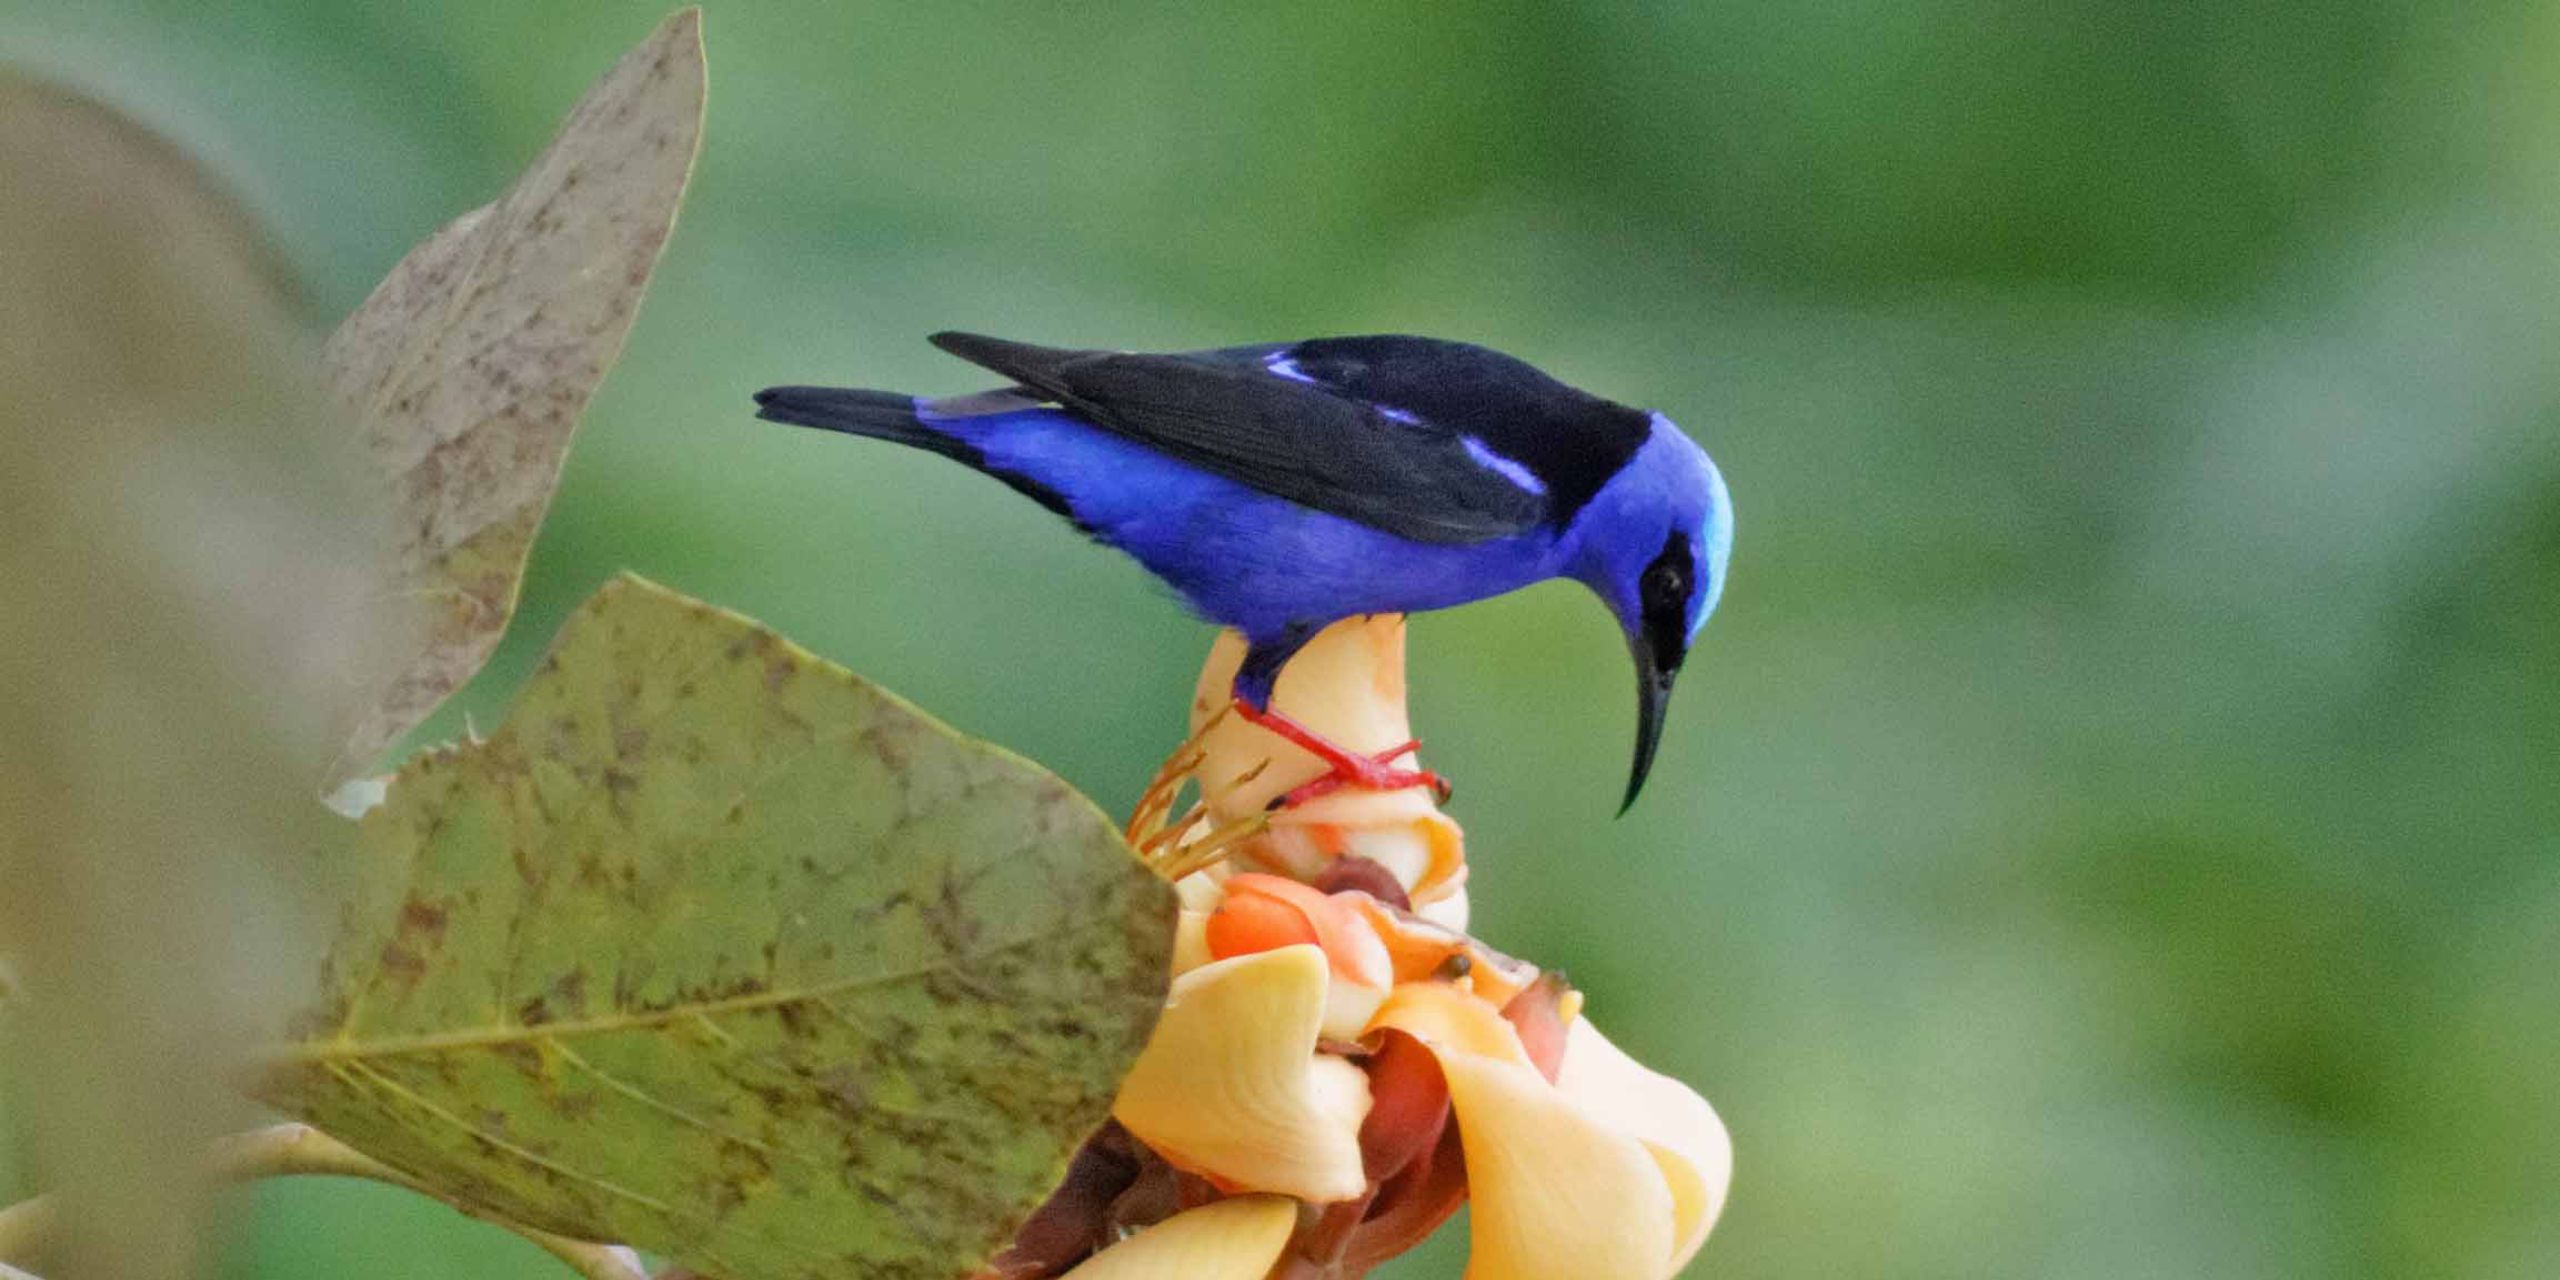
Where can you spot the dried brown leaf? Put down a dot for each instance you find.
(472, 362)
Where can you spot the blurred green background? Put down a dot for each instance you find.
(2112, 828)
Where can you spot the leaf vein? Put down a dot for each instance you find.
(376, 1080)
(679, 1114)
(344, 1049)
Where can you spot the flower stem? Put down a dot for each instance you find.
(289, 1149)
(23, 1227)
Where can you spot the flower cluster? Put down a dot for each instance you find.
(1339, 1065)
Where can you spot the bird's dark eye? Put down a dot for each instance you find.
(1665, 586)
(1668, 579)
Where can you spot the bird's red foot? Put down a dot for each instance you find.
(1348, 768)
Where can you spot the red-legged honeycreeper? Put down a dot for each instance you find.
(1281, 488)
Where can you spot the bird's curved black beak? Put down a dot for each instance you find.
(1657, 665)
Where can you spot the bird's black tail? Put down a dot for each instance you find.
(886, 415)
(882, 415)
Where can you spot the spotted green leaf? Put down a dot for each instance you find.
(718, 950)
(470, 365)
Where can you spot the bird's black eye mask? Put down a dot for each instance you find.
(1664, 592)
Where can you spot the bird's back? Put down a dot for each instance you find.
(1567, 439)
(1432, 440)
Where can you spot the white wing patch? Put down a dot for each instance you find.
(1508, 468)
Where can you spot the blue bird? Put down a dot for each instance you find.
(1279, 488)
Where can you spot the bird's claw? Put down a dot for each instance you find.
(1368, 773)
(1346, 768)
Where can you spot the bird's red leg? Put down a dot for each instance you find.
(1349, 768)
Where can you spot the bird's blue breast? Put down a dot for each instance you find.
(1238, 556)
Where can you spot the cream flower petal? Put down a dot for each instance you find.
(1234, 1239)
(1674, 1123)
(1190, 941)
(1449, 910)
(1257, 905)
(1348, 1006)
(1231, 1085)
(1347, 684)
(1557, 1194)
(1202, 889)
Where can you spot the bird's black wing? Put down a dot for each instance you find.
(1255, 416)
(1571, 441)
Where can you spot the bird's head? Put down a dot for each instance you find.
(1653, 545)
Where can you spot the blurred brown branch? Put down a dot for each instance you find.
(24, 1228)
(174, 525)
(288, 1150)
